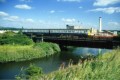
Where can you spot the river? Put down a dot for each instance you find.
(48, 64)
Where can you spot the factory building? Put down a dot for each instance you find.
(73, 27)
(95, 32)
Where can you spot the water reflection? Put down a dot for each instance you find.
(48, 64)
(76, 53)
(85, 51)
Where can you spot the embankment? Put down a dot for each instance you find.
(27, 52)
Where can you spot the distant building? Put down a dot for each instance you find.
(73, 27)
(107, 33)
(2, 31)
(92, 31)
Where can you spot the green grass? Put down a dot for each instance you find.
(27, 52)
(104, 67)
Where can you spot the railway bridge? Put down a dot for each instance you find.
(72, 37)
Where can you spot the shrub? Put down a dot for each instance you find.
(48, 47)
(27, 73)
(14, 38)
(33, 70)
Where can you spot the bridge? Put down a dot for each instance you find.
(72, 37)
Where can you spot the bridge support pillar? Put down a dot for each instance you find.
(31, 35)
(62, 47)
(42, 39)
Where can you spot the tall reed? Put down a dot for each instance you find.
(104, 67)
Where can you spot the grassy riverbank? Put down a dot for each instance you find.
(104, 67)
(27, 52)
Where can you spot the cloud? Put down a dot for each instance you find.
(22, 6)
(41, 21)
(109, 10)
(68, 20)
(3, 13)
(105, 2)
(16, 19)
(52, 11)
(114, 24)
(80, 7)
(69, 0)
(30, 20)
(11, 18)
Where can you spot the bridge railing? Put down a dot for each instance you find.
(85, 31)
(34, 30)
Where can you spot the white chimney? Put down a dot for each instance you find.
(100, 24)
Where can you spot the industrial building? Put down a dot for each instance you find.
(95, 32)
(73, 27)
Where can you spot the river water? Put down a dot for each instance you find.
(48, 64)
